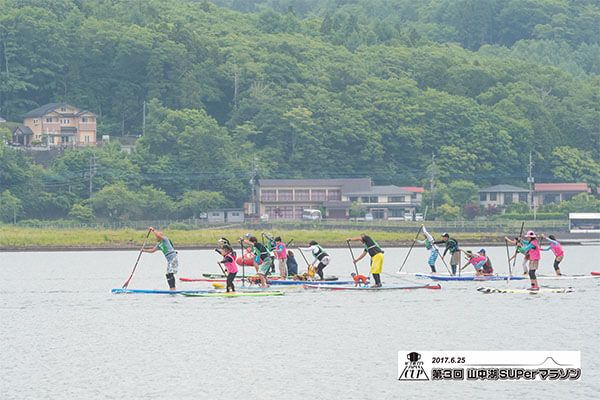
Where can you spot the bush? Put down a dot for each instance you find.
(529, 216)
(81, 213)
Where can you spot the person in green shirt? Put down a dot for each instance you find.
(166, 247)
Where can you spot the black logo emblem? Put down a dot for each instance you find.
(413, 369)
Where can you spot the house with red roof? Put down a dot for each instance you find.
(549, 193)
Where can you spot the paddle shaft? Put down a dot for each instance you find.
(352, 255)
(243, 266)
(221, 267)
(410, 249)
(508, 259)
(303, 256)
(137, 261)
(517, 246)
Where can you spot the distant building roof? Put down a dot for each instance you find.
(46, 108)
(413, 189)
(24, 130)
(381, 190)
(562, 187)
(347, 185)
(504, 189)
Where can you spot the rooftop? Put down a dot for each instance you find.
(413, 189)
(46, 108)
(562, 187)
(382, 191)
(504, 189)
(25, 130)
(354, 184)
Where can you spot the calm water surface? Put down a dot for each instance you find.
(65, 336)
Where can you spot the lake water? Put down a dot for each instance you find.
(65, 336)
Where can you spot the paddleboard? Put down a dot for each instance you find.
(239, 276)
(234, 294)
(368, 288)
(156, 291)
(292, 282)
(596, 273)
(523, 291)
(469, 277)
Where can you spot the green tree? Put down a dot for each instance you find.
(81, 213)
(10, 207)
(195, 202)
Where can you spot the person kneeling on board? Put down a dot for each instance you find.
(321, 258)
(292, 265)
(487, 267)
(476, 260)
(376, 253)
(230, 265)
(166, 246)
(262, 260)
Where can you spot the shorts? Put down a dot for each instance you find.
(533, 264)
(455, 258)
(265, 267)
(377, 263)
(559, 258)
(172, 264)
(325, 260)
(479, 265)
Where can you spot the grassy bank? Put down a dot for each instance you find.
(20, 238)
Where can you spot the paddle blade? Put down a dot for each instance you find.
(217, 285)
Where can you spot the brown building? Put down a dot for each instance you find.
(57, 124)
(548, 193)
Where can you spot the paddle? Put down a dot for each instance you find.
(221, 267)
(137, 261)
(508, 259)
(352, 255)
(517, 249)
(243, 266)
(303, 256)
(409, 250)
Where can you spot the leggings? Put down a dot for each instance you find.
(377, 278)
(532, 274)
(320, 269)
(171, 280)
(557, 264)
(230, 278)
(453, 269)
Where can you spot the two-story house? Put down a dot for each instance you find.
(503, 195)
(288, 198)
(57, 124)
(548, 193)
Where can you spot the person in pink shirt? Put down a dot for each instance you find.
(476, 260)
(532, 249)
(229, 261)
(280, 251)
(558, 251)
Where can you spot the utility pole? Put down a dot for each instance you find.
(530, 181)
(432, 181)
(235, 83)
(253, 183)
(144, 118)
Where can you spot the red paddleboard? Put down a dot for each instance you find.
(247, 261)
(596, 273)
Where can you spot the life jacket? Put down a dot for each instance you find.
(320, 254)
(487, 267)
(166, 249)
(557, 249)
(477, 259)
(534, 253)
(428, 244)
(281, 251)
(260, 251)
(373, 248)
(231, 265)
(360, 279)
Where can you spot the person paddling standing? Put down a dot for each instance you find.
(429, 245)
(281, 257)
(262, 260)
(166, 246)
(229, 261)
(321, 258)
(376, 253)
(533, 250)
(452, 247)
(559, 253)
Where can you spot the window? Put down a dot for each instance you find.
(36, 121)
(508, 198)
(397, 199)
(63, 109)
(364, 199)
(84, 119)
(482, 196)
(353, 199)
(319, 195)
(49, 119)
(86, 139)
(334, 195)
(285, 195)
(215, 214)
(493, 196)
(523, 197)
(551, 198)
(396, 213)
(298, 211)
(234, 214)
(268, 195)
(373, 199)
(302, 195)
